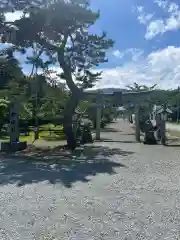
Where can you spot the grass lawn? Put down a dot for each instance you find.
(47, 132)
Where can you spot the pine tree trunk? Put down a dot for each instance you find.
(75, 96)
(68, 121)
(36, 128)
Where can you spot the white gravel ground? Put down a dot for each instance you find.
(133, 193)
(173, 127)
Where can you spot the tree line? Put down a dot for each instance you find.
(57, 33)
(154, 96)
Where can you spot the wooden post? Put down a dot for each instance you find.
(14, 123)
(137, 123)
(163, 125)
(98, 116)
(178, 112)
(163, 131)
(98, 123)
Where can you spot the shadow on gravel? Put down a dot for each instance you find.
(127, 134)
(173, 143)
(110, 130)
(55, 165)
(118, 141)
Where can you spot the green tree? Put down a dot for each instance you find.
(138, 88)
(54, 102)
(62, 29)
(15, 5)
(9, 69)
(4, 107)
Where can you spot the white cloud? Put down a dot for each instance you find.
(11, 17)
(160, 26)
(161, 67)
(117, 54)
(133, 54)
(154, 28)
(143, 18)
(161, 3)
(140, 9)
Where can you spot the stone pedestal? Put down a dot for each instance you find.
(12, 147)
(149, 138)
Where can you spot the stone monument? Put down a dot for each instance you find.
(14, 144)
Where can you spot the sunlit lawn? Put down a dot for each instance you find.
(47, 132)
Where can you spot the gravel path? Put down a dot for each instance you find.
(173, 127)
(123, 190)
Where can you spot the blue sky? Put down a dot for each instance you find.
(147, 45)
